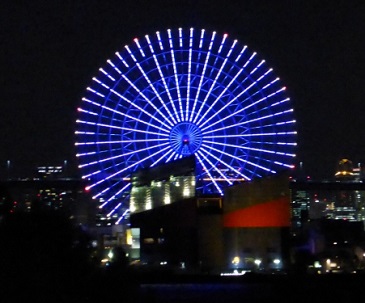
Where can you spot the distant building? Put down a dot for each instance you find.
(65, 195)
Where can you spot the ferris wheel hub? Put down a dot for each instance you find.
(185, 138)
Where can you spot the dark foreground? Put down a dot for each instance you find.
(127, 286)
(43, 258)
(255, 288)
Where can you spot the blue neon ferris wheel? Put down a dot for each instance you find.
(181, 92)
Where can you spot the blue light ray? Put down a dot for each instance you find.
(121, 59)
(119, 141)
(139, 47)
(284, 164)
(123, 155)
(122, 216)
(120, 128)
(167, 90)
(180, 37)
(253, 134)
(239, 111)
(95, 92)
(129, 116)
(214, 167)
(248, 121)
(189, 74)
(269, 134)
(202, 77)
(248, 148)
(85, 154)
(211, 88)
(159, 40)
(226, 164)
(114, 210)
(128, 167)
(113, 66)
(239, 159)
(85, 133)
(106, 74)
(100, 82)
(143, 95)
(175, 76)
(201, 38)
(163, 103)
(210, 176)
(236, 97)
(162, 157)
(116, 195)
(241, 53)
(170, 157)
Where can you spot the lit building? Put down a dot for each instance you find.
(163, 184)
(211, 233)
(344, 170)
(66, 195)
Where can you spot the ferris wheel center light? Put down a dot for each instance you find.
(185, 139)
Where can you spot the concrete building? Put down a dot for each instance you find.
(247, 228)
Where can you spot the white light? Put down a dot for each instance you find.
(257, 262)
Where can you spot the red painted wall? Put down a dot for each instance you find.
(274, 213)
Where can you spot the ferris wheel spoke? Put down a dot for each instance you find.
(210, 176)
(249, 121)
(114, 210)
(123, 155)
(167, 90)
(126, 115)
(143, 95)
(239, 159)
(129, 82)
(225, 163)
(189, 74)
(175, 74)
(278, 125)
(119, 141)
(164, 156)
(163, 103)
(116, 194)
(237, 96)
(268, 151)
(170, 157)
(202, 75)
(119, 128)
(129, 167)
(215, 80)
(268, 134)
(214, 167)
(134, 104)
(242, 110)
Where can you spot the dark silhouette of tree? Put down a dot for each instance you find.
(42, 254)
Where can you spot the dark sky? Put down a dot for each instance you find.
(50, 50)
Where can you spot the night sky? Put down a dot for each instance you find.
(50, 50)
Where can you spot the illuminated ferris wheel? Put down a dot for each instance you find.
(181, 92)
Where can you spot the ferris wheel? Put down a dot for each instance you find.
(176, 93)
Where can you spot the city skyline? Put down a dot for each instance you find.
(52, 51)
